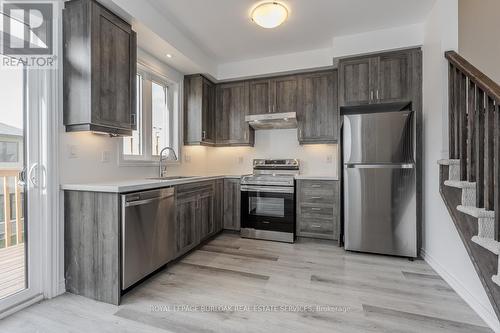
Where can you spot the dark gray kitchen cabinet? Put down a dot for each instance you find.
(186, 229)
(232, 204)
(273, 95)
(196, 208)
(382, 78)
(206, 216)
(394, 74)
(219, 205)
(284, 94)
(231, 108)
(318, 112)
(100, 61)
(318, 209)
(260, 96)
(355, 81)
(199, 110)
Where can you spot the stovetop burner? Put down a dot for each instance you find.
(272, 173)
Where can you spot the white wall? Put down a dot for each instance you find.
(380, 40)
(478, 35)
(442, 246)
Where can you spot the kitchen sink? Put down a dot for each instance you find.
(170, 177)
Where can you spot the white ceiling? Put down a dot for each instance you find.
(222, 28)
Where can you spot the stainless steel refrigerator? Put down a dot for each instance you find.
(380, 183)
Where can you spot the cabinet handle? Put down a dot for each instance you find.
(132, 119)
(266, 222)
(377, 94)
(316, 226)
(246, 136)
(316, 209)
(371, 95)
(204, 135)
(300, 133)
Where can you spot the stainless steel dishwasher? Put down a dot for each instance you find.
(148, 226)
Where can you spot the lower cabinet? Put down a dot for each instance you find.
(186, 229)
(198, 213)
(232, 204)
(318, 209)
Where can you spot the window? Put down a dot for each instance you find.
(9, 152)
(157, 119)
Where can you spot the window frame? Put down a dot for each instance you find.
(147, 158)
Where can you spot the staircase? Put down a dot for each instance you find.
(470, 179)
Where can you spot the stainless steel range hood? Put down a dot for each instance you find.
(272, 120)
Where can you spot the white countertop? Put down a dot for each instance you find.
(316, 177)
(123, 186)
(133, 185)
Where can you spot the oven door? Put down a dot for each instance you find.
(269, 208)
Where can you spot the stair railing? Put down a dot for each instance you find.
(474, 131)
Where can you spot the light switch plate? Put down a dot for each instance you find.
(105, 156)
(72, 151)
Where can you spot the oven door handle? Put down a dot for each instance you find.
(267, 189)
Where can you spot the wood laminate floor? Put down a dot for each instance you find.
(241, 285)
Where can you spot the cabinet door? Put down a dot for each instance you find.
(232, 107)
(356, 86)
(219, 205)
(186, 231)
(393, 75)
(232, 204)
(112, 52)
(206, 215)
(260, 97)
(318, 111)
(285, 92)
(208, 112)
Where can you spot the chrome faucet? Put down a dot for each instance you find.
(163, 168)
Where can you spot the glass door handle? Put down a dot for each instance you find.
(21, 178)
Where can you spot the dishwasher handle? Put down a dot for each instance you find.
(147, 201)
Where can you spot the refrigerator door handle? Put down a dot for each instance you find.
(379, 166)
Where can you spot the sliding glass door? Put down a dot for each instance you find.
(22, 183)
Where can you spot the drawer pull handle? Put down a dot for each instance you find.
(266, 222)
(316, 226)
(316, 209)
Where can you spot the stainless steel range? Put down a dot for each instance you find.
(268, 200)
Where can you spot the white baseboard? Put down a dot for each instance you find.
(479, 307)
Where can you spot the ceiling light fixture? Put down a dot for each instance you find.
(169, 55)
(269, 14)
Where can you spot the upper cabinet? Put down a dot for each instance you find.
(285, 93)
(318, 111)
(383, 78)
(199, 111)
(232, 106)
(100, 60)
(274, 95)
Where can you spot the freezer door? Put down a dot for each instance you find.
(379, 137)
(380, 209)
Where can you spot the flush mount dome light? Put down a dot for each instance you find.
(269, 14)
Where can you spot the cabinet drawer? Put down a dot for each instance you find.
(320, 212)
(316, 226)
(326, 185)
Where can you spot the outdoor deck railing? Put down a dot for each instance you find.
(6, 205)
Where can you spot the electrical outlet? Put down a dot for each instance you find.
(329, 158)
(72, 151)
(105, 156)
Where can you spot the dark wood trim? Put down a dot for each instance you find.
(479, 141)
(471, 134)
(462, 109)
(489, 151)
(481, 80)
